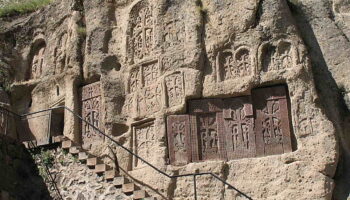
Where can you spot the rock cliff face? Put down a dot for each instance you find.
(254, 91)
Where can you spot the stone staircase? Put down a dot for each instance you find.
(109, 174)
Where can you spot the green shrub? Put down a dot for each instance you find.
(47, 158)
(21, 7)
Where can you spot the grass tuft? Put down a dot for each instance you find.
(11, 8)
(81, 31)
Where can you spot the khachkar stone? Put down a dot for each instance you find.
(234, 63)
(277, 55)
(179, 139)
(239, 127)
(141, 31)
(143, 141)
(273, 131)
(91, 112)
(175, 88)
(174, 34)
(208, 141)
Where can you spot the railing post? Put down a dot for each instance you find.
(195, 187)
(49, 134)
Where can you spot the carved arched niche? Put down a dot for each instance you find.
(234, 63)
(36, 60)
(277, 56)
(140, 33)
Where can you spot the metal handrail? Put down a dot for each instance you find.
(194, 175)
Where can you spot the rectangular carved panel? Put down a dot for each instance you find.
(178, 128)
(239, 127)
(273, 133)
(149, 99)
(175, 89)
(143, 141)
(91, 112)
(208, 141)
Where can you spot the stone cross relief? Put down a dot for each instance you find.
(277, 57)
(272, 131)
(233, 64)
(91, 112)
(239, 126)
(142, 33)
(241, 134)
(209, 136)
(175, 89)
(143, 142)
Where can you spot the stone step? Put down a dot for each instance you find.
(139, 194)
(74, 150)
(119, 181)
(101, 168)
(110, 175)
(83, 156)
(149, 198)
(128, 188)
(30, 144)
(91, 162)
(67, 144)
(58, 139)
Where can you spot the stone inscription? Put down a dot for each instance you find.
(232, 128)
(272, 121)
(234, 64)
(206, 130)
(149, 99)
(174, 33)
(142, 76)
(144, 139)
(149, 92)
(141, 24)
(208, 134)
(179, 139)
(175, 89)
(277, 57)
(239, 127)
(91, 112)
(172, 62)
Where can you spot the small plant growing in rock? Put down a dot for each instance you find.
(81, 31)
(47, 158)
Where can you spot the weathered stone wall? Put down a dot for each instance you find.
(141, 61)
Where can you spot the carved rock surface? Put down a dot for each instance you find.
(176, 83)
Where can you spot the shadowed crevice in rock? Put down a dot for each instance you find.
(19, 174)
(330, 96)
(258, 14)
